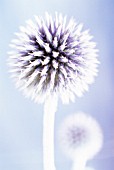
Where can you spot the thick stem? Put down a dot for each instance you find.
(50, 108)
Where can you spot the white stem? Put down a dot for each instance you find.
(79, 164)
(50, 108)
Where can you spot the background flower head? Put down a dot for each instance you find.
(80, 136)
(51, 56)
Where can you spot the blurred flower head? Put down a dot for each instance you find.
(51, 56)
(80, 136)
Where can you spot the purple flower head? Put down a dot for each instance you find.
(51, 56)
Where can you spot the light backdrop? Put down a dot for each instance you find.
(21, 120)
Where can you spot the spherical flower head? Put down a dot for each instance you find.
(53, 56)
(80, 136)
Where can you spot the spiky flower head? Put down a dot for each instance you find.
(80, 136)
(51, 56)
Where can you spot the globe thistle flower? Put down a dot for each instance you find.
(51, 56)
(80, 136)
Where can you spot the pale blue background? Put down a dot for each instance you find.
(21, 119)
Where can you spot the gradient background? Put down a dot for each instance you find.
(21, 119)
